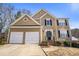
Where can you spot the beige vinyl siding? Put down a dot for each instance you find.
(24, 30)
(39, 14)
(47, 16)
(27, 22)
(37, 19)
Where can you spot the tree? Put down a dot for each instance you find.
(18, 14)
(21, 12)
(25, 11)
(6, 16)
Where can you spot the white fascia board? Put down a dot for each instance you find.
(25, 27)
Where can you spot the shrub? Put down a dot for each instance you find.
(66, 43)
(57, 43)
(75, 45)
(1, 42)
(43, 43)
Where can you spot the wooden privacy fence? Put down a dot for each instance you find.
(3, 38)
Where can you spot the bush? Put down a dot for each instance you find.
(1, 42)
(66, 43)
(57, 43)
(43, 43)
(75, 45)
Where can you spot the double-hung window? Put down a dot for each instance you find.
(61, 23)
(48, 22)
(63, 33)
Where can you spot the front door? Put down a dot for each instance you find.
(49, 35)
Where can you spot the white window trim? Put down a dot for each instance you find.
(48, 30)
(63, 31)
(48, 19)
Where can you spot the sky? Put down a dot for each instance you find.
(60, 10)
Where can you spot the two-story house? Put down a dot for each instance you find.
(42, 26)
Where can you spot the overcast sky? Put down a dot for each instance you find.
(57, 9)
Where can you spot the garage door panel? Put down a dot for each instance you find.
(32, 37)
(16, 37)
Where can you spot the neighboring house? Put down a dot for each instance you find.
(74, 38)
(40, 27)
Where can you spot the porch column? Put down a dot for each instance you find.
(41, 34)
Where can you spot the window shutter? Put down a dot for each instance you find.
(66, 22)
(50, 22)
(45, 21)
(57, 22)
(58, 33)
(68, 33)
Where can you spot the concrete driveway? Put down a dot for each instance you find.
(21, 50)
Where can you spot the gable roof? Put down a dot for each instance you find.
(24, 16)
(46, 12)
(38, 12)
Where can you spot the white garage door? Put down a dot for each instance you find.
(32, 37)
(16, 37)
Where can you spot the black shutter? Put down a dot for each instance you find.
(57, 22)
(66, 22)
(68, 33)
(45, 22)
(50, 22)
(58, 33)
